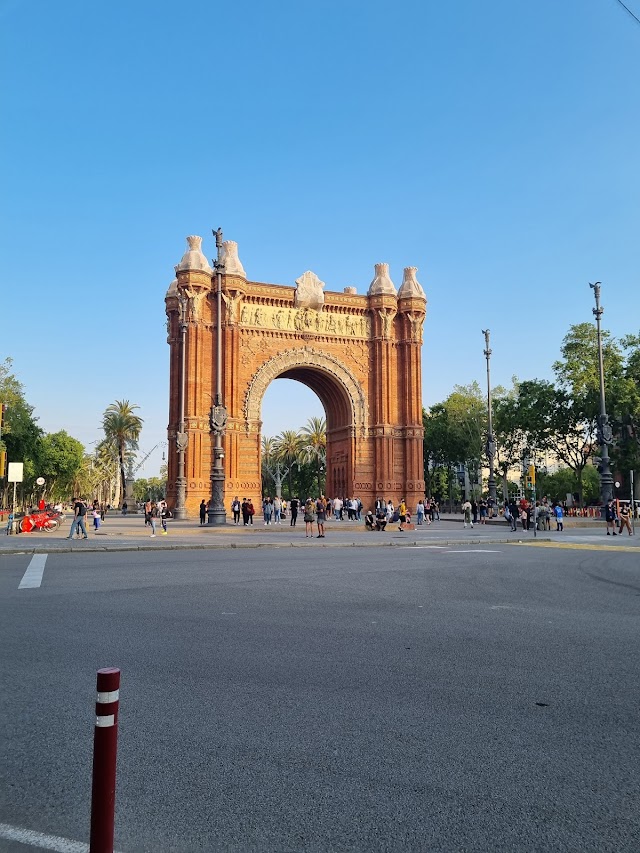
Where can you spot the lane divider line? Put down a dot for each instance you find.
(39, 839)
(32, 578)
(579, 546)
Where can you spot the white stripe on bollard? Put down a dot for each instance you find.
(105, 721)
(113, 696)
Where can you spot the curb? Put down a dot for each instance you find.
(101, 549)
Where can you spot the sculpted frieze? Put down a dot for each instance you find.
(309, 320)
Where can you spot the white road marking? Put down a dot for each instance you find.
(32, 578)
(39, 839)
(475, 551)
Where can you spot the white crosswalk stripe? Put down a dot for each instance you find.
(32, 578)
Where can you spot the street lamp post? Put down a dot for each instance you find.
(218, 414)
(491, 442)
(604, 429)
(182, 438)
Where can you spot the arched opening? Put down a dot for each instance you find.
(342, 398)
(288, 404)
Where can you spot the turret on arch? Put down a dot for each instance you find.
(360, 354)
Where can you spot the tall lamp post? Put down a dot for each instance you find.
(218, 414)
(604, 429)
(182, 438)
(491, 442)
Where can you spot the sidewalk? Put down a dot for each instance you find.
(129, 533)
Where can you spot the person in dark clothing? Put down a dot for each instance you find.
(203, 511)
(293, 506)
(610, 518)
(513, 512)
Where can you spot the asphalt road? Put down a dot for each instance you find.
(346, 699)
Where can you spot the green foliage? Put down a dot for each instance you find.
(59, 458)
(122, 428)
(314, 446)
(153, 488)
(301, 454)
(558, 485)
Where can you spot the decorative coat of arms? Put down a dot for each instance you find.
(309, 292)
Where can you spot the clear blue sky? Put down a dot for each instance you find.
(495, 145)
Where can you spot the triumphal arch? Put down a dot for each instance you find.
(360, 354)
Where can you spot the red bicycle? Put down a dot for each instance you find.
(41, 520)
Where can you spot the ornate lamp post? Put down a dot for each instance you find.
(491, 442)
(182, 438)
(604, 429)
(218, 414)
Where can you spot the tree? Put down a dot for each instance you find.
(288, 449)
(20, 431)
(267, 455)
(314, 445)
(454, 432)
(59, 460)
(510, 438)
(122, 428)
(552, 420)
(558, 485)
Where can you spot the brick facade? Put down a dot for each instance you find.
(360, 354)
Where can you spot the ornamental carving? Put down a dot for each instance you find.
(306, 320)
(309, 291)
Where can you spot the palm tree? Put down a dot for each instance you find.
(314, 441)
(122, 429)
(288, 448)
(267, 453)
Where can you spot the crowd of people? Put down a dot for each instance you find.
(315, 511)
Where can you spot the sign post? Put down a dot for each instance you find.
(15, 475)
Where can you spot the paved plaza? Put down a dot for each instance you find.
(130, 532)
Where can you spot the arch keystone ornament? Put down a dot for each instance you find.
(360, 354)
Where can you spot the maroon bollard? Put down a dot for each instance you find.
(105, 746)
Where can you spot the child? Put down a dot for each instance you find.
(96, 519)
(559, 517)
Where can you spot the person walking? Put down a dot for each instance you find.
(125, 507)
(309, 518)
(267, 511)
(293, 507)
(337, 509)
(466, 509)
(203, 511)
(559, 514)
(513, 512)
(402, 514)
(321, 515)
(96, 519)
(77, 524)
(390, 511)
(277, 510)
(420, 513)
(610, 517)
(244, 508)
(164, 515)
(153, 517)
(625, 520)
(483, 511)
(235, 509)
(251, 510)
